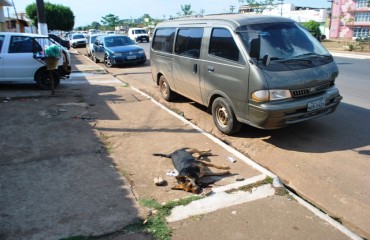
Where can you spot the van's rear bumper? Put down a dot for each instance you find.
(274, 115)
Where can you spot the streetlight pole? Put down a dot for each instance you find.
(281, 7)
(42, 26)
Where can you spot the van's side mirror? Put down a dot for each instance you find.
(255, 48)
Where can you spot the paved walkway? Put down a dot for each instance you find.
(77, 164)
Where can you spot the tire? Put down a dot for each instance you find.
(224, 117)
(166, 92)
(43, 79)
(107, 62)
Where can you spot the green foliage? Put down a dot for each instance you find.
(58, 17)
(110, 20)
(258, 5)
(185, 10)
(313, 27)
(156, 224)
(95, 25)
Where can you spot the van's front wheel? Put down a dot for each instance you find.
(224, 117)
(164, 88)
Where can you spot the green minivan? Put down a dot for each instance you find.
(265, 71)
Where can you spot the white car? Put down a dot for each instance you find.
(90, 43)
(78, 40)
(138, 34)
(22, 60)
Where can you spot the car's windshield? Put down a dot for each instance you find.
(140, 31)
(117, 41)
(77, 36)
(282, 40)
(92, 38)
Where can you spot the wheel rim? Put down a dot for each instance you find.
(107, 62)
(164, 90)
(222, 116)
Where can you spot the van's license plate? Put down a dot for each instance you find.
(315, 105)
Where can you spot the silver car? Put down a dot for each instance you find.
(90, 43)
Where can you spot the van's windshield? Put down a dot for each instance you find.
(284, 42)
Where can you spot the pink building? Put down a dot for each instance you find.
(350, 18)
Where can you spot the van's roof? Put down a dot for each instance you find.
(233, 20)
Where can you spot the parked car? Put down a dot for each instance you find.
(138, 34)
(265, 71)
(64, 43)
(90, 43)
(78, 40)
(22, 60)
(115, 49)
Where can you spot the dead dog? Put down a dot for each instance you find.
(190, 169)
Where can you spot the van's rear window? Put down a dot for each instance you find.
(163, 39)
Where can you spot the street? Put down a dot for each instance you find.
(353, 81)
(326, 160)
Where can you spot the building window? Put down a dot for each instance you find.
(362, 17)
(361, 32)
(362, 3)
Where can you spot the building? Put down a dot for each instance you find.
(350, 19)
(3, 25)
(288, 10)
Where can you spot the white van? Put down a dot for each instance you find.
(265, 71)
(138, 34)
(21, 59)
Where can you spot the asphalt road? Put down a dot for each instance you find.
(326, 160)
(354, 81)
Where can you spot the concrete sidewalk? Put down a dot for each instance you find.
(77, 163)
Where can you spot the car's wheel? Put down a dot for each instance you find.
(224, 117)
(107, 62)
(164, 88)
(43, 79)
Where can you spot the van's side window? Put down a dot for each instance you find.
(223, 45)
(163, 39)
(188, 42)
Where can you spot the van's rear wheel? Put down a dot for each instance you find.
(43, 79)
(224, 117)
(164, 88)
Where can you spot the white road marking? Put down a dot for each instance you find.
(218, 201)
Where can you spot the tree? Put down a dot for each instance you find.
(313, 27)
(258, 5)
(58, 17)
(110, 20)
(146, 19)
(185, 10)
(95, 25)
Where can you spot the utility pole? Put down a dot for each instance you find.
(281, 7)
(42, 26)
(232, 9)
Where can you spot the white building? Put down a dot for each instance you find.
(288, 10)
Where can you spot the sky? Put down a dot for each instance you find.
(88, 11)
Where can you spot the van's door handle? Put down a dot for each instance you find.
(211, 68)
(195, 68)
